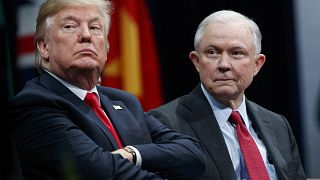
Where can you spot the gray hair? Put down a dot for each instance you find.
(225, 16)
(51, 7)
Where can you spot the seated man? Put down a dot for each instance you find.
(68, 127)
(242, 139)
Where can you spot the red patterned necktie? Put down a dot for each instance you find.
(252, 157)
(92, 101)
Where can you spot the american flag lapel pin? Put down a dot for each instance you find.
(117, 107)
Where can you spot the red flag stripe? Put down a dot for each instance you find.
(25, 44)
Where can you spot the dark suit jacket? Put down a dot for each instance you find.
(59, 137)
(192, 114)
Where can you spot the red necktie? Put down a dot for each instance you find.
(92, 101)
(252, 157)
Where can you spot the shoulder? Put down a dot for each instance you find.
(252, 106)
(32, 92)
(278, 121)
(44, 92)
(182, 103)
(35, 102)
(168, 108)
(171, 105)
(172, 113)
(182, 107)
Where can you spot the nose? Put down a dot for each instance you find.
(224, 62)
(84, 34)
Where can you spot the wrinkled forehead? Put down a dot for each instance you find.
(231, 35)
(230, 28)
(79, 13)
(233, 30)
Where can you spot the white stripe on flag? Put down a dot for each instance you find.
(25, 61)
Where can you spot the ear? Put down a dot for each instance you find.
(42, 47)
(194, 57)
(260, 59)
(107, 45)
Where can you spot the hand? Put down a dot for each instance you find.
(124, 154)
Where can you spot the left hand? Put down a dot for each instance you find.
(124, 154)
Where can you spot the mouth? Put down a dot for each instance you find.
(225, 79)
(86, 52)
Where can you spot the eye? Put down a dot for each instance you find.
(96, 29)
(69, 27)
(213, 53)
(238, 54)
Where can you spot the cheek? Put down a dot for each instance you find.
(206, 71)
(102, 48)
(59, 52)
(103, 56)
(59, 47)
(246, 75)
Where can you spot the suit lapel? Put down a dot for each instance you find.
(107, 107)
(115, 116)
(126, 125)
(208, 131)
(55, 86)
(265, 131)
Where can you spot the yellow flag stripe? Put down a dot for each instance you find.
(130, 54)
(112, 69)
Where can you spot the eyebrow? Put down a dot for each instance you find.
(232, 48)
(238, 48)
(73, 18)
(212, 46)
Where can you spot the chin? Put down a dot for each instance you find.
(87, 64)
(85, 69)
(225, 92)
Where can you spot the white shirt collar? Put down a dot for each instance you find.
(222, 112)
(81, 93)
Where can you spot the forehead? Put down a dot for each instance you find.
(87, 13)
(234, 33)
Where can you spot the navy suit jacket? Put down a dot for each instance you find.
(191, 114)
(58, 137)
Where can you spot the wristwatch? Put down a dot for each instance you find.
(132, 152)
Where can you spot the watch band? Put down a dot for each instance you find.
(132, 152)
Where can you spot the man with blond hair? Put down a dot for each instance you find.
(66, 126)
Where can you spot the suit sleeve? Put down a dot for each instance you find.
(171, 154)
(50, 145)
(296, 162)
(167, 152)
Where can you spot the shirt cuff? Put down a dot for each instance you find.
(139, 159)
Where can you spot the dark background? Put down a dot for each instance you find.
(175, 22)
(7, 59)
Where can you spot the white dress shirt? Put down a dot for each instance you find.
(81, 93)
(222, 113)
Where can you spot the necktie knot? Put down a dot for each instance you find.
(235, 118)
(91, 100)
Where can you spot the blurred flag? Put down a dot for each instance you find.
(132, 60)
(26, 16)
(132, 63)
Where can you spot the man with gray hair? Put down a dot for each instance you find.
(242, 139)
(66, 126)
